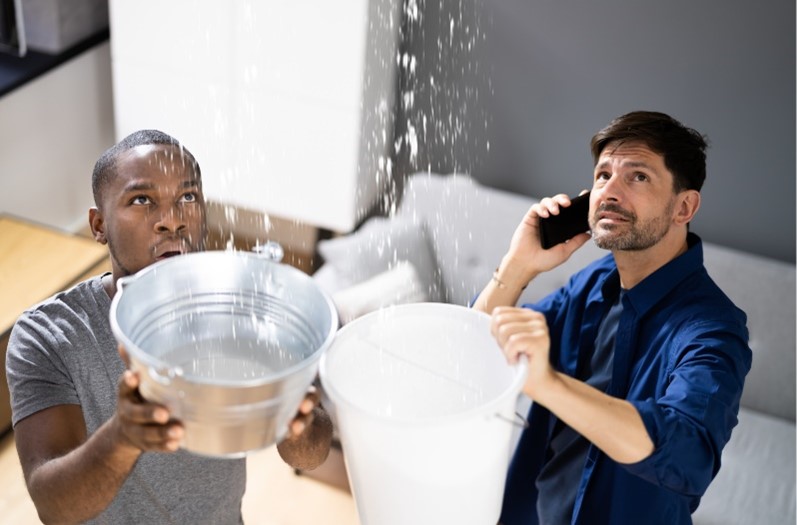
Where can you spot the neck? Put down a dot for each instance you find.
(109, 283)
(635, 266)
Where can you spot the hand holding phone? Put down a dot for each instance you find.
(571, 221)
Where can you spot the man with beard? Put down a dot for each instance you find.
(90, 447)
(636, 366)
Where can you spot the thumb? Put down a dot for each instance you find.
(123, 355)
(575, 243)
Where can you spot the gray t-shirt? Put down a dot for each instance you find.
(62, 351)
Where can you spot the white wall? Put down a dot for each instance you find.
(52, 130)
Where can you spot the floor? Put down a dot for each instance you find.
(274, 494)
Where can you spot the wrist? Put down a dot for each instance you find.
(121, 442)
(512, 273)
(545, 387)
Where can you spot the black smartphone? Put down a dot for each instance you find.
(570, 222)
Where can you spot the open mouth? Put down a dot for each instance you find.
(169, 248)
(165, 252)
(612, 218)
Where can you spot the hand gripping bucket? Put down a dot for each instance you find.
(424, 402)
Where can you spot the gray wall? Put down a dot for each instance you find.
(510, 91)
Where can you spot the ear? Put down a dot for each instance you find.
(97, 224)
(686, 206)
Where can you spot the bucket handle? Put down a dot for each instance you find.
(517, 420)
(164, 376)
(271, 250)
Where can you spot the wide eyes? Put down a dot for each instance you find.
(636, 176)
(140, 200)
(144, 200)
(189, 197)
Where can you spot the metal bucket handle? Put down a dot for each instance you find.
(517, 420)
(271, 250)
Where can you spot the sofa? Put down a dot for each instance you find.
(448, 235)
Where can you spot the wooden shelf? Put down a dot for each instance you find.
(35, 263)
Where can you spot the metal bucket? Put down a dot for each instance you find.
(228, 341)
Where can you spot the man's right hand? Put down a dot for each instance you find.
(526, 258)
(144, 425)
(526, 254)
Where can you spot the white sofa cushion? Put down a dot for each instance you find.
(399, 285)
(378, 246)
(761, 449)
(470, 227)
(764, 289)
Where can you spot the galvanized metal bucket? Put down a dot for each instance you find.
(228, 341)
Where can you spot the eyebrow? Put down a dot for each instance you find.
(629, 164)
(147, 186)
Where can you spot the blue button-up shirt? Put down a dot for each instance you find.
(681, 356)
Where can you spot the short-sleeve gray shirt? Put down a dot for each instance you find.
(62, 351)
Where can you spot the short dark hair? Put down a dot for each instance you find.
(105, 167)
(683, 148)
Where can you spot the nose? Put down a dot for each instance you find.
(170, 221)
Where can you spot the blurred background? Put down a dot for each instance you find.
(307, 116)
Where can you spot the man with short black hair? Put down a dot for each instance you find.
(92, 450)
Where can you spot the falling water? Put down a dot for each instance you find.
(432, 120)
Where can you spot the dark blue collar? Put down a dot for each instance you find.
(657, 285)
(653, 288)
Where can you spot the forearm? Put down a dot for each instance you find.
(80, 484)
(612, 424)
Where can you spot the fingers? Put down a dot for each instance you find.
(128, 385)
(305, 414)
(519, 331)
(310, 401)
(145, 425)
(123, 355)
(551, 205)
(133, 407)
(299, 424)
(161, 438)
(504, 317)
(574, 243)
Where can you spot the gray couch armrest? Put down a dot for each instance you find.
(328, 279)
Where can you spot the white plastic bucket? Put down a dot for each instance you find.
(424, 403)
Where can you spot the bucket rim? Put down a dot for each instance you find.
(514, 388)
(152, 362)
